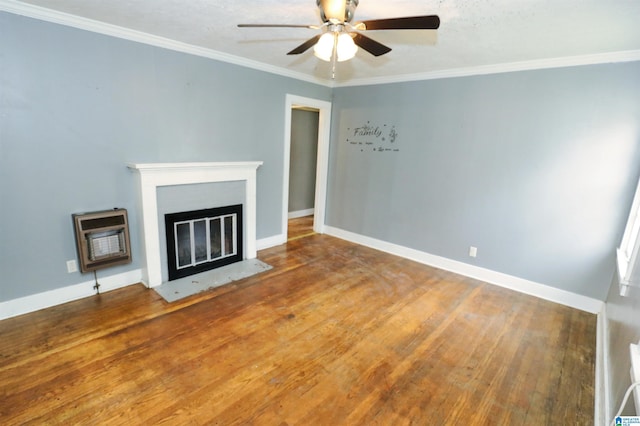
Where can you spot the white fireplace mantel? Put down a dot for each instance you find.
(153, 175)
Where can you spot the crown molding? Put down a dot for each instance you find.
(539, 64)
(62, 18)
(49, 15)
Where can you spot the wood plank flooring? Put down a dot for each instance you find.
(334, 334)
(300, 227)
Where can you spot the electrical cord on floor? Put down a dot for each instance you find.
(97, 286)
(624, 401)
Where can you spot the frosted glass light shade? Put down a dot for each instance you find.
(324, 47)
(346, 47)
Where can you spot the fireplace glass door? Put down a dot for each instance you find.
(203, 239)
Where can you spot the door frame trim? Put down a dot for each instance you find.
(322, 161)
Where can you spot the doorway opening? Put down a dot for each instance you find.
(307, 130)
(302, 171)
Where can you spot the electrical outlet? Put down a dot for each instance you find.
(72, 266)
(635, 373)
(473, 251)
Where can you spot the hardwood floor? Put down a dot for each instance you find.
(334, 334)
(300, 227)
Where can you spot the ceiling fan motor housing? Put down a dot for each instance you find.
(349, 10)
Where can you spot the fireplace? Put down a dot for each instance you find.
(152, 176)
(201, 240)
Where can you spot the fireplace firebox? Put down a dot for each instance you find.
(200, 240)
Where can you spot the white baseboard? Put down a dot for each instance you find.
(276, 240)
(300, 213)
(521, 285)
(50, 298)
(47, 299)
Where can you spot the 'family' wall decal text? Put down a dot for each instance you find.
(373, 138)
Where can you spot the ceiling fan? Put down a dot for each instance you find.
(340, 38)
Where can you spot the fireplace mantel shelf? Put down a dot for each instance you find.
(153, 175)
(192, 166)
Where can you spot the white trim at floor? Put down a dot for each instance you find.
(50, 298)
(275, 240)
(300, 213)
(58, 296)
(521, 285)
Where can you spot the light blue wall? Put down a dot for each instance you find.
(302, 166)
(536, 169)
(75, 107)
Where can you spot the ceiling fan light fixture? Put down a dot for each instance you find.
(340, 40)
(347, 49)
(343, 42)
(324, 47)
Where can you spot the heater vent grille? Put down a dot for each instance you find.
(102, 239)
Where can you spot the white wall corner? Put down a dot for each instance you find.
(47, 299)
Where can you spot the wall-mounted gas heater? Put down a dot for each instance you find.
(102, 239)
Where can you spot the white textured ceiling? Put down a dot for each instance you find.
(473, 33)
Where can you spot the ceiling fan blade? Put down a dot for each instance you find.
(305, 46)
(313, 27)
(370, 45)
(427, 22)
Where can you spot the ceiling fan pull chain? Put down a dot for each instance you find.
(334, 56)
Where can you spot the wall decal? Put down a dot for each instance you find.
(370, 137)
